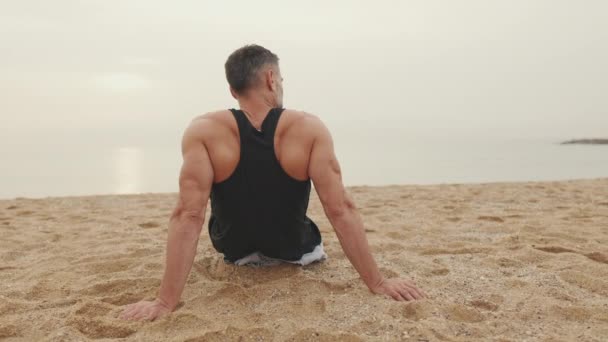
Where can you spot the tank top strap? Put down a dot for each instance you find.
(269, 125)
(241, 121)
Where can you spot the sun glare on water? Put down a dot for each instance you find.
(127, 170)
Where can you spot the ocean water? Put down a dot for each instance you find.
(414, 92)
(75, 169)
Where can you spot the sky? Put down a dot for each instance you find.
(130, 71)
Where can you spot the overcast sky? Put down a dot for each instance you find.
(87, 70)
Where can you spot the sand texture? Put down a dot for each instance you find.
(501, 262)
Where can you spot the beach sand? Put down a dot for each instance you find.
(501, 262)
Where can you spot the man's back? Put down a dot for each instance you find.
(258, 206)
(293, 140)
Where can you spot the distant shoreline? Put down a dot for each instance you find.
(8, 202)
(586, 142)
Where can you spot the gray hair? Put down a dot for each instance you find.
(243, 65)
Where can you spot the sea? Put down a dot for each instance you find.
(149, 166)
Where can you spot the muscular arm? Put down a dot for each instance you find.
(185, 225)
(324, 170)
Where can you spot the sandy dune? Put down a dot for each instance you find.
(502, 262)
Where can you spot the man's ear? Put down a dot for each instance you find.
(270, 83)
(233, 93)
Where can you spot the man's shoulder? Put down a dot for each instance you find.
(303, 120)
(209, 123)
(300, 114)
(212, 117)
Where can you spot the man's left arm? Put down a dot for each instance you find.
(185, 226)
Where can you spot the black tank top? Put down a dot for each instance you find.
(260, 207)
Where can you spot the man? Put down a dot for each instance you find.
(256, 165)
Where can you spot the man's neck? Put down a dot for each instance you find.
(256, 109)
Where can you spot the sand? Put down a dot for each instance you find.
(501, 262)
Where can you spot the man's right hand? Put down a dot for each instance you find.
(399, 289)
(145, 310)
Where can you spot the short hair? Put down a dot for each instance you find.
(243, 65)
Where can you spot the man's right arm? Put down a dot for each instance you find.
(324, 170)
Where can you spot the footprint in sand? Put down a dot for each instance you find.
(506, 262)
(7, 331)
(98, 328)
(15, 305)
(561, 294)
(12, 207)
(235, 334)
(585, 281)
(491, 218)
(213, 268)
(305, 307)
(414, 311)
(392, 204)
(91, 319)
(396, 235)
(554, 249)
(484, 305)
(178, 323)
(60, 303)
(595, 256)
(440, 251)
(123, 291)
(439, 272)
(571, 313)
(108, 267)
(389, 247)
(118, 285)
(45, 289)
(310, 334)
(461, 313)
(231, 292)
(149, 225)
(317, 306)
(56, 237)
(78, 218)
(385, 218)
(323, 286)
(369, 212)
(93, 309)
(153, 266)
